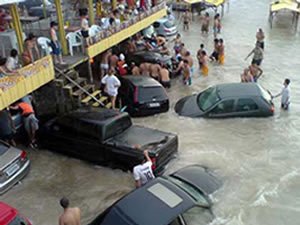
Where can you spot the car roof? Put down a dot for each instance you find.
(142, 81)
(95, 115)
(7, 213)
(238, 90)
(158, 202)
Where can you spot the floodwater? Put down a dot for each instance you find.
(256, 159)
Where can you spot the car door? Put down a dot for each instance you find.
(224, 108)
(88, 144)
(247, 107)
(61, 135)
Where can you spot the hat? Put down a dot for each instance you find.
(122, 57)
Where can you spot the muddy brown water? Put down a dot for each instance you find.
(256, 159)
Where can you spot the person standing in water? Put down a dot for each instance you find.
(260, 36)
(204, 60)
(70, 216)
(205, 24)
(221, 53)
(186, 20)
(285, 95)
(217, 25)
(258, 55)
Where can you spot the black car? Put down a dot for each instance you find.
(179, 199)
(107, 137)
(143, 95)
(140, 57)
(228, 100)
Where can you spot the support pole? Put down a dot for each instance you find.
(17, 26)
(114, 4)
(44, 9)
(61, 25)
(91, 13)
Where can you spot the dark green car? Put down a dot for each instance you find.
(228, 100)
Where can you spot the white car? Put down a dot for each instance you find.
(165, 27)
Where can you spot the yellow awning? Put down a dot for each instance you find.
(215, 2)
(285, 4)
(7, 2)
(193, 1)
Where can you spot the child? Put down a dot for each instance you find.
(13, 61)
(84, 23)
(55, 45)
(285, 95)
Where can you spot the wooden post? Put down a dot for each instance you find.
(61, 27)
(91, 13)
(17, 26)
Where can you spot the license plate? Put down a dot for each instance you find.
(12, 169)
(152, 105)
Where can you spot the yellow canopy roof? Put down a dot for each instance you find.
(6, 2)
(215, 2)
(284, 4)
(192, 1)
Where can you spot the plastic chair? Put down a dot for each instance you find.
(44, 43)
(94, 30)
(74, 40)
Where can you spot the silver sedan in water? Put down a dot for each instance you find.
(14, 165)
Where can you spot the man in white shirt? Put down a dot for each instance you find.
(112, 83)
(285, 95)
(143, 173)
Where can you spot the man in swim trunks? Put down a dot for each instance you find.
(186, 20)
(145, 69)
(221, 49)
(155, 71)
(105, 62)
(260, 36)
(246, 76)
(204, 60)
(187, 80)
(55, 45)
(255, 71)
(205, 24)
(258, 55)
(135, 70)
(190, 62)
(165, 76)
(177, 43)
(215, 55)
(217, 25)
(199, 55)
(70, 216)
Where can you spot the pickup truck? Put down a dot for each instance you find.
(107, 137)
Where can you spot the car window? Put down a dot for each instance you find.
(147, 94)
(207, 98)
(156, 24)
(197, 216)
(168, 24)
(245, 105)
(266, 95)
(224, 107)
(18, 220)
(117, 126)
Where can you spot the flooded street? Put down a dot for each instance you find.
(256, 159)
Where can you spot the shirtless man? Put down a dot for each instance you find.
(199, 55)
(205, 24)
(160, 41)
(246, 76)
(145, 69)
(113, 61)
(70, 216)
(190, 61)
(260, 36)
(55, 45)
(221, 49)
(255, 71)
(105, 62)
(165, 77)
(177, 43)
(215, 55)
(186, 20)
(155, 71)
(204, 61)
(217, 25)
(131, 46)
(186, 73)
(164, 50)
(258, 54)
(135, 70)
(182, 49)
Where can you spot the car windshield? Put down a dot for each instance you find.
(195, 193)
(208, 98)
(168, 24)
(266, 95)
(117, 126)
(197, 216)
(148, 94)
(18, 220)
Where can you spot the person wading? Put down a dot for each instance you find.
(70, 216)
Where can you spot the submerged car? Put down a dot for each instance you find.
(143, 96)
(11, 216)
(14, 165)
(107, 137)
(165, 27)
(228, 100)
(140, 57)
(181, 198)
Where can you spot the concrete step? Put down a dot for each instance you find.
(80, 94)
(105, 101)
(95, 94)
(80, 80)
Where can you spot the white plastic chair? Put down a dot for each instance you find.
(44, 43)
(94, 30)
(74, 40)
